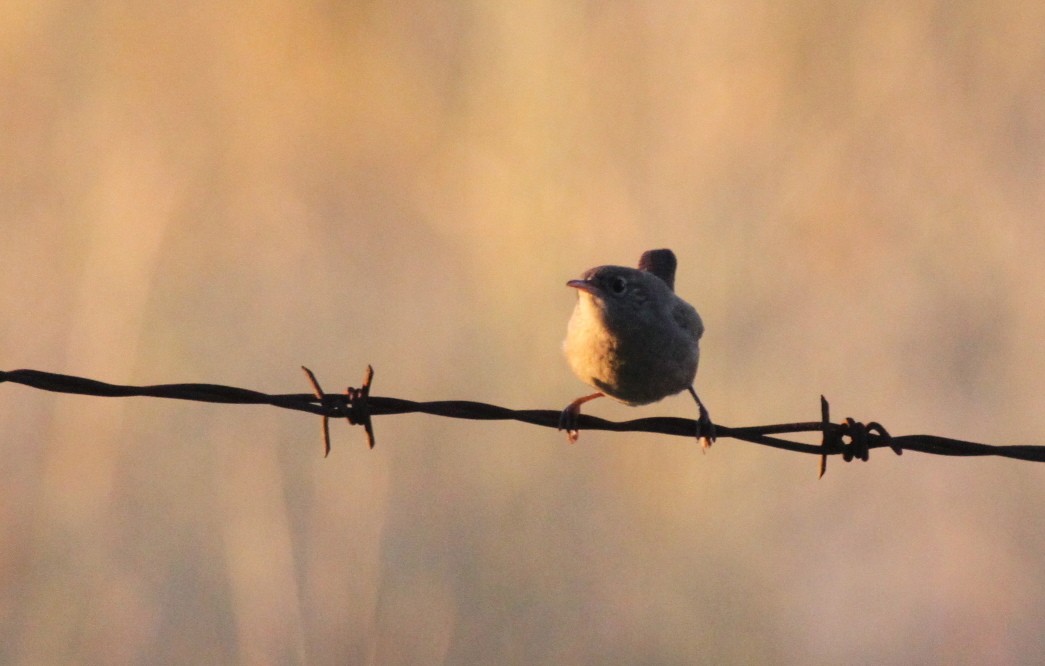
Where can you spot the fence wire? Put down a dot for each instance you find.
(850, 439)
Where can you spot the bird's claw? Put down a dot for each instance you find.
(568, 418)
(568, 422)
(705, 428)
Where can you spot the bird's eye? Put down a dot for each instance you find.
(618, 285)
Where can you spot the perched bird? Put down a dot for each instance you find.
(633, 339)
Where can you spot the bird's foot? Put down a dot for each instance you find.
(568, 417)
(705, 430)
(568, 422)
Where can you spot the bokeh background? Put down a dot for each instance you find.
(222, 192)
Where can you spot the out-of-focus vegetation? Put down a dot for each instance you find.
(222, 192)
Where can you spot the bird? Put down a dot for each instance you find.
(633, 339)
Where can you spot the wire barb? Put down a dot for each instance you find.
(825, 426)
(353, 405)
(359, 399)
(852, 438)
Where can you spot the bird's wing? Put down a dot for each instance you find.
(688, 319)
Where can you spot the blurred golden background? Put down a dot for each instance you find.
(221, 192)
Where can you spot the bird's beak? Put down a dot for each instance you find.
(583, 285)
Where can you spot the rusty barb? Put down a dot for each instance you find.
(352, 405)
(849, 439)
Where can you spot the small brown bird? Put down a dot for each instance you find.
(633, 339)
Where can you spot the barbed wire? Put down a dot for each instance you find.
(850, 439)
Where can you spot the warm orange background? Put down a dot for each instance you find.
(224, 191)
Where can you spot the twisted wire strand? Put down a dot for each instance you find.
(850, 439)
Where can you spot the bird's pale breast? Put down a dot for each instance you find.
(645, 361)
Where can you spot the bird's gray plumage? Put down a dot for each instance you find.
(630, 336)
